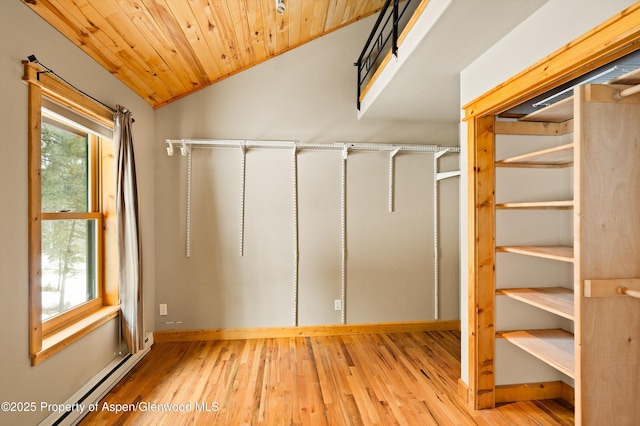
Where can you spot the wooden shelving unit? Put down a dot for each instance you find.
(604, 155)
(606, 231)
(555, 346)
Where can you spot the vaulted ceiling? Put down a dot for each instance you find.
(166, 49)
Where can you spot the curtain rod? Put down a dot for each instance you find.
(186, 144)
(33, 59)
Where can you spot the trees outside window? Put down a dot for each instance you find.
(68, 245)
(71, 220)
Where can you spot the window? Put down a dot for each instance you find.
(72, 258)
(71, 254)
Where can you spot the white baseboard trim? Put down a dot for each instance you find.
(98, 387)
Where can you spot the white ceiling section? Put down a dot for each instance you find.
(423, 84)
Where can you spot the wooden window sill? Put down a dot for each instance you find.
(62, 338)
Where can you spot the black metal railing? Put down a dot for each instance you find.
(386, 28)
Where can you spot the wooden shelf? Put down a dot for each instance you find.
(554, 347)
(557, 300)
(562, 253)
(632, 77)
(558, 156)
(554, 113)
(537, 205)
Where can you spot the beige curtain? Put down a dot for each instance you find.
(130, 254)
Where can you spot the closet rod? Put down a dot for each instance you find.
(621, 94)
(271, 144)
(629, 292)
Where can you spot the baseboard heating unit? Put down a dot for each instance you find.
(98, 387)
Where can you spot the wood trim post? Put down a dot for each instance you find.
(481, 175)
(35, 243)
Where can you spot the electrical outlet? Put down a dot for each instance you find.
(163, 309)
(337, 305)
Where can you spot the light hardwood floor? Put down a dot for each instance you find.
(375, 379)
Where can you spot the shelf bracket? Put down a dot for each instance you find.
(391, 173)
(243, 166)
(296, 254)
(438, 176)
(612, 288)
(343, 234)
(444, 175)
(188, 212)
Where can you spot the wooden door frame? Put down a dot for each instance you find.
(614, 38)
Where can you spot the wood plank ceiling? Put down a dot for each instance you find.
(166, 49)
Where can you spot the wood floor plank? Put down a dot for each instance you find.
(378, 379)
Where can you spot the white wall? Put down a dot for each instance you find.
(552, 26)
(23, 33)
(307, 94)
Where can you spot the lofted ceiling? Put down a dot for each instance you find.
(166, 49)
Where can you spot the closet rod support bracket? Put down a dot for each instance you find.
(185, 149)
(612, 288)
(619, 95)
(345, 151)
